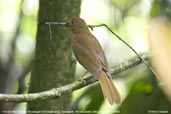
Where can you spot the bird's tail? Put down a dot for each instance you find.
(109, 90)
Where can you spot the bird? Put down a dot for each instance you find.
(90, 55)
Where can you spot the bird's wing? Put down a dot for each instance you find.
(100, 52)
(85, 52)
(102, 58)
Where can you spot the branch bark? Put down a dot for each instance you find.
(59, 91)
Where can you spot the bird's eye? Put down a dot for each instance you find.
(72, 22)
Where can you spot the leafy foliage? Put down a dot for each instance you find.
(143, 98)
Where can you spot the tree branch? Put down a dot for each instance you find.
(57, 92)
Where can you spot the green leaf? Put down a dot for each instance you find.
(143, 98)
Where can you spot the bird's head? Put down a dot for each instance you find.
(76, 24)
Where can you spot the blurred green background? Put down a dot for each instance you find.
(128, 18)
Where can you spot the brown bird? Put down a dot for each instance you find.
(89, 53)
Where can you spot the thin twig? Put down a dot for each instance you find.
(50, 32)
(57, 92)
(91, 26)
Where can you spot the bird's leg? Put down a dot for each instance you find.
(81, 78)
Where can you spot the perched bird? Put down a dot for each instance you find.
(89, 54)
